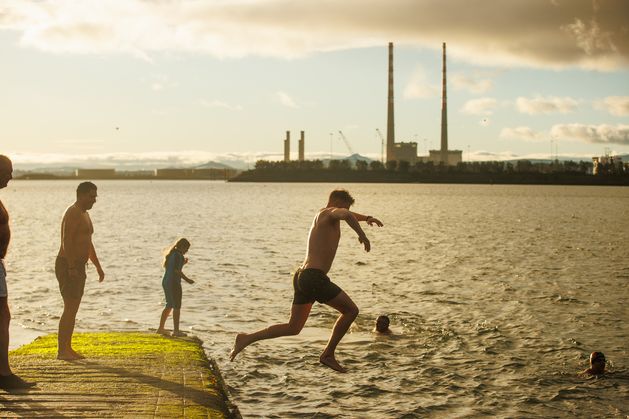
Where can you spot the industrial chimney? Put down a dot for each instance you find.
(444, 113)
(390, 118)
(301, 147)
(287, 147)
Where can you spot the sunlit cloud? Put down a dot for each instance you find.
(220, 104)
(615, 105)
(418, 86)
(286, 100)
(571, 33)
(546, 105)
(593, 134)
(481, 106)
(522, 133)
(471, 84)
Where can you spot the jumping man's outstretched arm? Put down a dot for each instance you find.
(348, 217)
(367, 218)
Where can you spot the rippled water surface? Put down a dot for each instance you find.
(497, 294)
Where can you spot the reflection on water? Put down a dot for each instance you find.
(496, 294)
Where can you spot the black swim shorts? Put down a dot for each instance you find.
(313, 285)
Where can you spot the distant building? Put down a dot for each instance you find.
(302, 145)
(607, 165)
(287, 147)
(405, 152)
(95, 173)
(449, 158)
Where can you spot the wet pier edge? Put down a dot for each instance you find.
(124, 374)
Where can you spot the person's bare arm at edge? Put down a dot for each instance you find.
(348, 217)
(94, 259)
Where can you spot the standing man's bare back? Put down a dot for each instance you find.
(311, 282)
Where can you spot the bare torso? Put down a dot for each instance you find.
(323, 241)
(5, 231)
(76, 234)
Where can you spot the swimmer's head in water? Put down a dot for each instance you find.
(597, 362)
(382, 323)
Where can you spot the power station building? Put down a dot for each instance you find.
(408, 151)
(301, 147)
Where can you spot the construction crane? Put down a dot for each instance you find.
(349, 147)
(382, 145)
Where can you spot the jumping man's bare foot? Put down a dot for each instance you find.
(239, 345)
(330, 361)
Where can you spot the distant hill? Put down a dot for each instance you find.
(213, 165)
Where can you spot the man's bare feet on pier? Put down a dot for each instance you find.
(239, 345)
(330, 361)
(69, 356)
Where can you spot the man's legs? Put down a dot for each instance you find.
(298, 316)
(349, 312)
(5, 318)
(66, 329)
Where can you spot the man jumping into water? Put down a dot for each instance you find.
(311, 282)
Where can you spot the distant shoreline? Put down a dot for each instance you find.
(356, 176)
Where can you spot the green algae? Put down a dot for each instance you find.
(116, 344)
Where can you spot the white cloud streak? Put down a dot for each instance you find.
(593, 134)
(489, 32)
(522, 133)
(220, 104)
(546, 105)
(481, 106)
(615, 105)
(285, 99)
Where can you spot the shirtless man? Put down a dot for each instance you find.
(311, 282)
(76, 248)
(7, 378)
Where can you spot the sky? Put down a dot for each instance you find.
(123, 83)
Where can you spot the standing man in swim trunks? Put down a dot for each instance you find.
(311, 282)
(76, 249)
(7, 378)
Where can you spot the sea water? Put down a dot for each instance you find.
(496, 294)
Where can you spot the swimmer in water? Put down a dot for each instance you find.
(382, 325)
(597, 364)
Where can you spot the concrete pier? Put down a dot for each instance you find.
(124, 374)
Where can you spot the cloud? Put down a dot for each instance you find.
(418, 86)
(615, 105)
(593, 134)
(473, 85)
(482, 106)
(489, 32)
(522, 133)
(220, 104)
(546, 105)
(286, 100)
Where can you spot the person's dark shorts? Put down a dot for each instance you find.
(70, 286)
(313, 285)
(172, 291)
